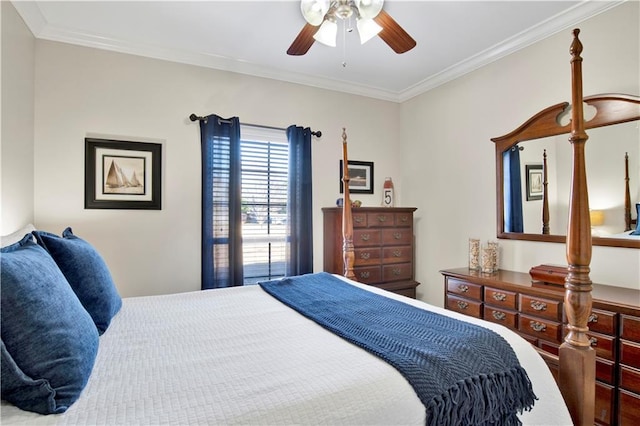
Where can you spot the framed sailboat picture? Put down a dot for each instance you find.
(122, 174)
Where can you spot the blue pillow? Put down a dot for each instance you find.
(49, 342)
(637, 231)
(87, 274)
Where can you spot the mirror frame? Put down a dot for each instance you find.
(611, 108)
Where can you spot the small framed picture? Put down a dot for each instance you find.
(122, 174)
(534, 182)
(360, 177)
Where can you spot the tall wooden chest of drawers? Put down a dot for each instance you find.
(535, 311)
(383, 243)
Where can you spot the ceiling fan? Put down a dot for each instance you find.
(371, 20)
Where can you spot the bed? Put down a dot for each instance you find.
(241, 356)
(238, 356)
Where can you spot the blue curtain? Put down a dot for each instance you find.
(221, 202)
(300, 217)
(512, 190)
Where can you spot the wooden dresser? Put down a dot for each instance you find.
(383, 243)
(535, 311)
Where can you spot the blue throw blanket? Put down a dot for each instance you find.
(463, 374)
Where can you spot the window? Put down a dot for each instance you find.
(267, 173)
(264, 156)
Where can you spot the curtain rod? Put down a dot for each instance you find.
(194, 117)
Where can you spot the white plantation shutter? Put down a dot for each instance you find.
(265, 164)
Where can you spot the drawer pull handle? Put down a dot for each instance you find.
(462, 305)
(397, 253)
(364, 274)
(593, 341)
(365, 255)
(396, 271)
(358, 219)
(500, 297)
(404, 219)
(463, 288)
(365, 237)
(538, 306)
(382, 218)
(593, 317)
(397, 235)
(538, 326)
(499, 315)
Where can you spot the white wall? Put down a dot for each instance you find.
(82, 91)
(16, 165)
(448, 162)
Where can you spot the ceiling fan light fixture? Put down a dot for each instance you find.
(327, 33)
(371, 20)
(369, 9)
(367, 29)
(314, 11)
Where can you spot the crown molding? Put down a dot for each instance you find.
(558, 23)
(41, 29)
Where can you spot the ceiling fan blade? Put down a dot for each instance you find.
(393, 34)
(303, 41)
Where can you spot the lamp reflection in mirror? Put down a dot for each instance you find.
(597, 219)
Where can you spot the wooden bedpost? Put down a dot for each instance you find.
(627, 195)
(347, 221)
(577, 358)
(545, 195)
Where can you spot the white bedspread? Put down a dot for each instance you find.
(625, 235)
(238, 356)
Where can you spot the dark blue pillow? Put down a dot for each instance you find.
(637, 231)
(49, 342)
(87, 274)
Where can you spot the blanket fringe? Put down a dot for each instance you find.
(481, 399)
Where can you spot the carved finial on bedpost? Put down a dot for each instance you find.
(545, 195)
(348, 254)
(577, 358)
(576, 45)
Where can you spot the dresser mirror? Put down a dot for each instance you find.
(540, 148)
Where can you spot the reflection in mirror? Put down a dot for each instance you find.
(605, 165)
(540, 149)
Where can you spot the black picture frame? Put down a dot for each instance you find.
(360, 177)
(534, 182)
(122, 175)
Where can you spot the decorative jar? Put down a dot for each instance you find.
(474, 254)
(489, 259)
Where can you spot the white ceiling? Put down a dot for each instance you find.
(251, 37)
